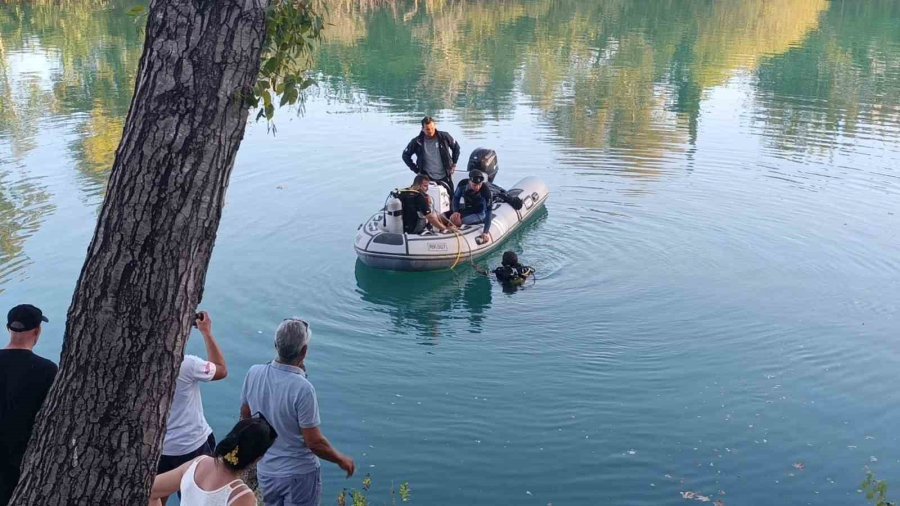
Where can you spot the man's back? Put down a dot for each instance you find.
(186, 428)
(288, 401)
(25, 379)
(415, 207)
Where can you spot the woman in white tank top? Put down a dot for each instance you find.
(215, 481)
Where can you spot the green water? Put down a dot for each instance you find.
(719, 262)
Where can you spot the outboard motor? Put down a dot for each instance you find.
(485, 160)
(393, 215)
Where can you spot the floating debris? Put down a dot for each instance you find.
(694, 496)
(799, 466)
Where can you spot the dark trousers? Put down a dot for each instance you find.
(9, 476)
(169, 462)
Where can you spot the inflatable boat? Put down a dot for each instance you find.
(382, 244)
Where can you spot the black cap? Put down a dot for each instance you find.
(24, 317)
(476, 176)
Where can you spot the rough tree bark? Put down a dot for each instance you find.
(97, 438)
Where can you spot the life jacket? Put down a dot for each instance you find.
(472, 201)
(413, 222)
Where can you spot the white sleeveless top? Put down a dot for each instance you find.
(193, 495)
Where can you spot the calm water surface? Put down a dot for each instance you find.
(719, 263)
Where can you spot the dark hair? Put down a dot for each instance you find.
(426, 120)
(510, 259)
(246, 443)
(421, 177)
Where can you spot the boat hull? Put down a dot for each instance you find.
(405, 252)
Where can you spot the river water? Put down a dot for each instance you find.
(718, 266)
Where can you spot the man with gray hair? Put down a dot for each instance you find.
(290, 473)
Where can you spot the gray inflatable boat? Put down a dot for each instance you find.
(380, 244)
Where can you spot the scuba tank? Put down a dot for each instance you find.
(392, 220)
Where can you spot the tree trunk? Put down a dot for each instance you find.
(98, 435)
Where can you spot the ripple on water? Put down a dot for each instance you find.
(24, 205)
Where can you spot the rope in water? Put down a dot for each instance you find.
(459, 236)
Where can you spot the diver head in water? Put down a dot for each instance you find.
(510, 259)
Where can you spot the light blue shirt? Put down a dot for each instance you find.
(288, 401)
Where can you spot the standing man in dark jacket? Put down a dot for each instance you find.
(25, 379)
(436, 153)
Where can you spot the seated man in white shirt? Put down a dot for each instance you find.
(188, 435)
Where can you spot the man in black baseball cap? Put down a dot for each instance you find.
(25, 379)
(471, 204)
(24, 317)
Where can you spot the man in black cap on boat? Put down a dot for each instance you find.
(471, 204)
(25, 379)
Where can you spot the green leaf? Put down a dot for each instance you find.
(285, 99)
(137, 10)
(404, 492)
(271, 65)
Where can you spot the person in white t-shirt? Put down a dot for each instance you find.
(188, 435)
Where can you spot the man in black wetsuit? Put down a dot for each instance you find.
(436, 154)
(511, 271)
(417, 208)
